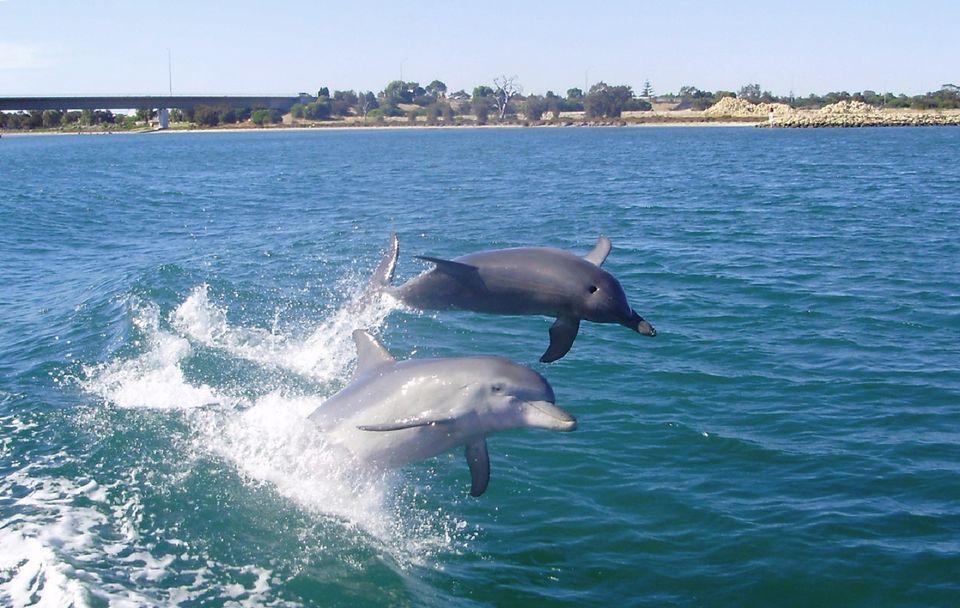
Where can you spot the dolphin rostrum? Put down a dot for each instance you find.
(521, 281)
(395, 413)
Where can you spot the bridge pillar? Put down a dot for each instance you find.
(164, 118)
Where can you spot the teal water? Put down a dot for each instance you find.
(173, 306)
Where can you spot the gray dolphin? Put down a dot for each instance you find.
(521, 281)
(396, 413)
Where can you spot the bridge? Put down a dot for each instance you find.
(153, 102)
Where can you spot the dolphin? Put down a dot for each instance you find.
(520, 281)
(396, 413)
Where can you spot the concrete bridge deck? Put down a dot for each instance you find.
(14, 104)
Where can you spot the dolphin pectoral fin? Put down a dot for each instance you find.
(371, 353)
(479, 461)
(404, 424)
(562, 334)
(600, 251)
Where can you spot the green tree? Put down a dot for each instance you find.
(481, 109)
(103, 117)
(398, 91)
(606, 100)
(534, 107)
(482, 92)
(436, 89)
(318, 110)
(144, 114)
(366, 102)
(750, 92)
(260, 117)
(296, 110)
(227, 115)
(433, 113)
(51, 118)
(574, 100)
(206, 116)
(343, 102)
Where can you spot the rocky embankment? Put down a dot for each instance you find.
(840, 114)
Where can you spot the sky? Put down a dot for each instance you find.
(247, 47)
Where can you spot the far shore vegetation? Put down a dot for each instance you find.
(500, 102)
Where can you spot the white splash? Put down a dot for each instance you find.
(323, 355)
(74, 543)
(271, 442)
(153, 379)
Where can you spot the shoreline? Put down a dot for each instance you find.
(793, 120)
(385, 127)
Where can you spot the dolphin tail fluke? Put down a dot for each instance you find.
(383, 275)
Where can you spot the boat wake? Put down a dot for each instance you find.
(193, 391)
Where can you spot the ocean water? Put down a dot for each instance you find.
(173, 306)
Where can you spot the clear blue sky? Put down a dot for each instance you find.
(50, 47)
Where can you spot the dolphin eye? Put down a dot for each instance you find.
(592, 288)
(497, 388)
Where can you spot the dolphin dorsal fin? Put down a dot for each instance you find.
(600, 251)
(465, 274)
(455, 269)
(370, 353)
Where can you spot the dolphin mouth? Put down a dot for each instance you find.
(546, 415)
(640, 325)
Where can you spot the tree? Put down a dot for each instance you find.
(318, 110)
(647, 91)
(51, 118)
(534, 107)
(605, 100)
(398, 91)
(366, 102)
(481, 92)
(481, 109)
(750, 92)
(227, 115)
(506, 88)
(143, 115)
(323, 92)
(342, 102)
(206, 116)
(437, 90)
(260, 117)
(448, 116)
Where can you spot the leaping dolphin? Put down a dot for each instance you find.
(521, 281)
(396, 413)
